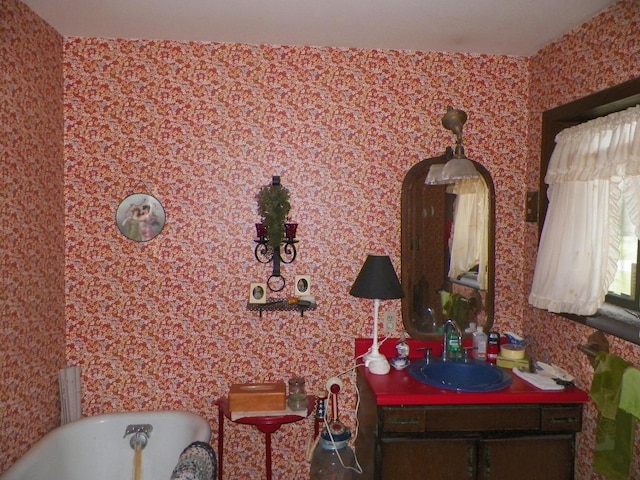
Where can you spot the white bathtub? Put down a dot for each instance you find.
(93, 448)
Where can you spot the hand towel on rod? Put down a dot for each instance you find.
(630, 392)
(615, 427)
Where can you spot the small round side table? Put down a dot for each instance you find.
(266, 424)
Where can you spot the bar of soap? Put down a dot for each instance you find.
(257, 397)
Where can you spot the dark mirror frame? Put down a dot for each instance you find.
(613, 320)
(432, 267)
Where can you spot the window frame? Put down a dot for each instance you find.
(613, 319)
(622, 300)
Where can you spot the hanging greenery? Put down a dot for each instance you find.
(273, 208)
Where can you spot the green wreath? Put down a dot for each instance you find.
(273, 208)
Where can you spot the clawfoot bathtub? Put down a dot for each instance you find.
(96, 447)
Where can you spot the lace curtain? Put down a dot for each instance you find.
(593, 167)
(469, 242)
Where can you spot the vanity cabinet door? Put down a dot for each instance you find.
(428, 459)
(548, 457)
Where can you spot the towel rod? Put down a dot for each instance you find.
(596, 343)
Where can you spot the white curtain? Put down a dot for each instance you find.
(593, 165)
(469, 243)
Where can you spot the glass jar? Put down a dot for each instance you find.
(297, 399)
(333, 459)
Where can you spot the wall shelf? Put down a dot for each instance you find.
(279, 304)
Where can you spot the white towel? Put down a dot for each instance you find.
(272, 413)
(537, 380)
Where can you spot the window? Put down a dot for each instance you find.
(624, 289)
(594, 171)
(617, 320)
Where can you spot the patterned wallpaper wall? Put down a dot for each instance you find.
(31, 229)
(602, 53)
(202, 127)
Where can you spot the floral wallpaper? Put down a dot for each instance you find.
(202, 126)
(602, 53)
(31, 229)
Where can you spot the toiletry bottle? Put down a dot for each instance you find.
(493, 347)
(480, 344)
(454, 345)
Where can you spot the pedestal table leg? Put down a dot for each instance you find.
(267, 442)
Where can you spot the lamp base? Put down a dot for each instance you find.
(377, 363)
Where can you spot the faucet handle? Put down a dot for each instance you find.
(427, 354)
(144, 428)
(465, 353)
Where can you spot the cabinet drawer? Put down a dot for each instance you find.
(483, 418)
(552, 418)
(566, 418)
(403, 419)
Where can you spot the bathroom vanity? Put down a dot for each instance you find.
(412, 431)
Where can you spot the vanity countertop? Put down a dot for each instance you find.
(399, 388)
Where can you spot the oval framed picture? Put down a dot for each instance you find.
(140, 217)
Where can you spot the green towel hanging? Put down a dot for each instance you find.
(615, 428)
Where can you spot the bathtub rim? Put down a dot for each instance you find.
(203, 430)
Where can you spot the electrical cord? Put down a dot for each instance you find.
(314, 443)
(357, 468)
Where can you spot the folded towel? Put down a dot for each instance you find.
(271, 413)
(615, 428)
(196, 462)
(630, 393)
(543, 382)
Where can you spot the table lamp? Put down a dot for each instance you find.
(377, 280)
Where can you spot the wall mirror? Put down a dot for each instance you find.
(427, 221)
(620, 322)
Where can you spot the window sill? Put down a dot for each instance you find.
(614, 320)
(468, 280)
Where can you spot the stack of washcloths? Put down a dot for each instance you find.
(616, 392)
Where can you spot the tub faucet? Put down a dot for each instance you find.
(140, 435)
(447, 325)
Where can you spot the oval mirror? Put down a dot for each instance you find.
(436, 286)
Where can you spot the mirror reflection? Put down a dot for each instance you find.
(447, 248)
(467, 241)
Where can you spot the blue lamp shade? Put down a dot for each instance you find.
(377, 280)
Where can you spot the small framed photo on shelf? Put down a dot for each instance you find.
(302, 286)
(258, 293)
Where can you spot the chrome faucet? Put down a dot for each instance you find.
(447, 325)
(140, 436)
